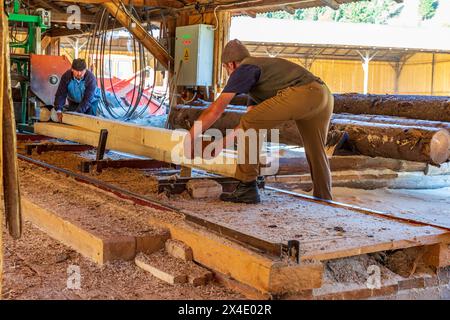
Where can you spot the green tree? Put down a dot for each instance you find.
(375, 11)
(428, 8)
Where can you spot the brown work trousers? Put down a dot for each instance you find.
(311, 107)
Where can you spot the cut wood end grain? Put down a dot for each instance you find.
(440, 147)
(204, 189)
(179, 249)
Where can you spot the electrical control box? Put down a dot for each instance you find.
(194, 51)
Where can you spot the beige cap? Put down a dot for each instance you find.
(234, 51)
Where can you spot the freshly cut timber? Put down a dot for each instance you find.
(392, 120)
(423, 144)
(156, 143)
(409, 106)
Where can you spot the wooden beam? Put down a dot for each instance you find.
(11, 189)
(140, 33)
(270, 4)
(258, 271)
(60, 17)
(438, 255)
(331, 3)
(95, 247)
(289, 9)
(45, 42)
(137, 3)
(150, 142)
(3, 50)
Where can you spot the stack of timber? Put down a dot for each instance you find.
(156, 143)
(405, 139)
(408, 106)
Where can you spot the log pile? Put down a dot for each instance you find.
(408, 106)
(371, 135)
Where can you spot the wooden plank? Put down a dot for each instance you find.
(295, 278)
(97, 248)
(438, 255)
(136, 3)
(326, 230)
(248, 291)
(257, 271)
(156, 269)
(381, 246)
(155, 143)
(65, 232)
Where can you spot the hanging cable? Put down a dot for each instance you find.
(114, 105)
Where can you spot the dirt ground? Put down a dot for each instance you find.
(36, 267)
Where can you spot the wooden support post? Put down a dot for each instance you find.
(45, 43)
(3, 49)
(53, 49)
(366, 58)
(11, 191)
(433, 65)
(221, 38)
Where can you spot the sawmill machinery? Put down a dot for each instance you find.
(25, 35)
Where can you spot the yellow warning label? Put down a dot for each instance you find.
(186, 54)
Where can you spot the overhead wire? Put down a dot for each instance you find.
(98, 49)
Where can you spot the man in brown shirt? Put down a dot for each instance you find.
(280, 91)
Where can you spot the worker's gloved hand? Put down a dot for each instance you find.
(250, 108)
(57, 116)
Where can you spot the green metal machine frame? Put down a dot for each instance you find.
(36, 25)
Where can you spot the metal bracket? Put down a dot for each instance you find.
(101, 148)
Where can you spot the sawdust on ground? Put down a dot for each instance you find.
(36, 267)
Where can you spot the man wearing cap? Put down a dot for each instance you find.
(279, 91)
(79, 86)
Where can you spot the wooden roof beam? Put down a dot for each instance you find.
(330, 3)
(289, 9)
(137, 3)
(59, 17)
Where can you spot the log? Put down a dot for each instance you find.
(411, 141)
(392, 120)
(422, 144)
(408, 106)
(183, 117)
